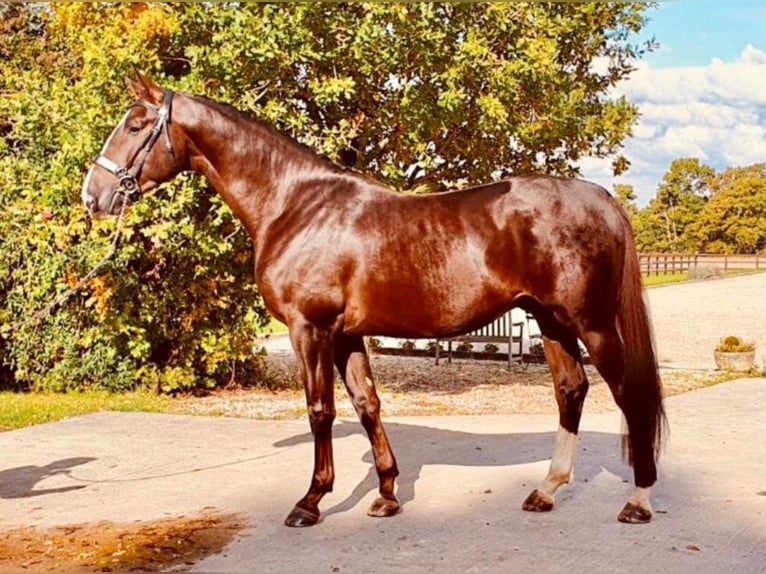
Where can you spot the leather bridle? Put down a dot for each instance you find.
(127, 175)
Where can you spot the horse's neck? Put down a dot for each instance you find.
(253, 169)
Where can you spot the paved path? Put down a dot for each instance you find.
(462, 483)
(690, 318)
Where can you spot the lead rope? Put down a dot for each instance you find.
(47, 311)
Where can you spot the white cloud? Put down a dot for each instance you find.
(742, 80)
(713, 115)
(752, 55)
(746, 144)
(716, 113)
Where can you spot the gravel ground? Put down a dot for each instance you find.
(688, 318)
(415, 386)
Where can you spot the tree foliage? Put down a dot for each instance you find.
(734, 218)
(626, 197)
(680, 198)
(423, 95)
(698, 210)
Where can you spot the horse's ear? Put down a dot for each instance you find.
(145, 89)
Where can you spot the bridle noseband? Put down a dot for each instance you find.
(127, 175)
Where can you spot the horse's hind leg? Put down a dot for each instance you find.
(354, 367)
(571, 384)
(607, 354)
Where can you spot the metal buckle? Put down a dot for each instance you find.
(127, 182)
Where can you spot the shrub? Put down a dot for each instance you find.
(464, 347)
(491, 348)
(407, 345)
(177, 307)
(433, 345)
(373, 343)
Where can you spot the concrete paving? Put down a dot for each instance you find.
(463, 480)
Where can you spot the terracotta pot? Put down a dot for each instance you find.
(735, 361)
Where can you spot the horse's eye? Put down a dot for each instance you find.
(133, 129)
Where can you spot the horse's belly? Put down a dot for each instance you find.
(437, 285)
(422, 313)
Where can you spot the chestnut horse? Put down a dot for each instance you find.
(339, 257)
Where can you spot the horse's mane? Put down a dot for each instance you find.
(251, 120)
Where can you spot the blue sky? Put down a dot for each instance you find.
(692, 33)
(701, 94)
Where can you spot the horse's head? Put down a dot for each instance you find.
(143, 151)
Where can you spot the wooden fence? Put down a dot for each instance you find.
(671, 263)
(502, 330)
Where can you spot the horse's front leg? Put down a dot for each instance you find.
(314, 348)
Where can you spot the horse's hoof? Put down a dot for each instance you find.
(383, 507)
(300, 517)
(634, 514)
(538, 502)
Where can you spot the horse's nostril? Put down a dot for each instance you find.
(91, 202)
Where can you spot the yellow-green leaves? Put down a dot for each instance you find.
(331, 89)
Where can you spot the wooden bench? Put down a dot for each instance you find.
(502, 330)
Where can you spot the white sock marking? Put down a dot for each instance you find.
(562, 462)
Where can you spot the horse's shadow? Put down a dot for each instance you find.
(416, 446)
(20, 482)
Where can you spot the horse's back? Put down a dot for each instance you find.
(449, 262)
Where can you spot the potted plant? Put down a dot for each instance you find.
(408, 347)
(464, 347)
(733, 353)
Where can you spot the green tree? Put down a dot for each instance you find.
(680, 198)
(424, 95)
(626, 197)
(734, 219)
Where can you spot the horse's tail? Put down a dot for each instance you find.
(642, 387)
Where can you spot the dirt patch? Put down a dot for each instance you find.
(113, 547)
